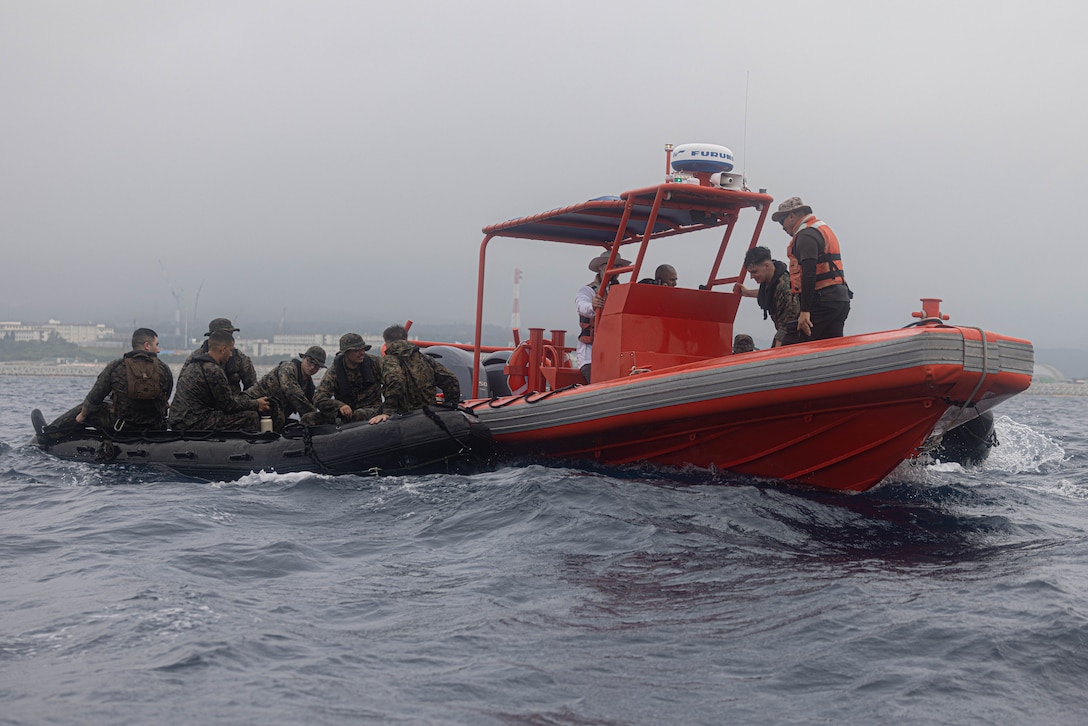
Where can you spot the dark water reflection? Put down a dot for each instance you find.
(546, 595)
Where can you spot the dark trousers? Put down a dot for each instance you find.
(828, 319)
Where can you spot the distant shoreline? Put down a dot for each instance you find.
(81, 369)
(1057, 389)
(53, 369)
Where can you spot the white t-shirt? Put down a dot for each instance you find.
(583, 301)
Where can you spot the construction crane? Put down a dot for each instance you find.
(196, 307)
(177, 307)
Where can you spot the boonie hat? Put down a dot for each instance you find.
(352, 341)
(221, 324)
(597, 264)
(316, 353)
(743, 344)
(786, 207)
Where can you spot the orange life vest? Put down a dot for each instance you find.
(829, 270)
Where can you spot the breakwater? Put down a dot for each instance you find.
(81, 369)
(51, 369)
(1064, 388)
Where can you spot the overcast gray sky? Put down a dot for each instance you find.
(340, 158)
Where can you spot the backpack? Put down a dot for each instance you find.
(143, 378)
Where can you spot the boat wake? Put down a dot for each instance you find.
(1023, 450)
(272, 479)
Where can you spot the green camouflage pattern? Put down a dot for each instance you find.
(205, 400)
(285, 387)
(787, 307)
(409, 379)
(109, 407)
(239, 369)
(366, 395)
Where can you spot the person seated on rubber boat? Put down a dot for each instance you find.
(239, 369)
(664, 275)
(409, 377)
(289, 386)
(138, 386)
(206, 400)
(351, 389)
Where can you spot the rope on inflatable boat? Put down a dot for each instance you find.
(428, 411)
(502, 402)
(308, 448)
(433, 416)
(546, 394)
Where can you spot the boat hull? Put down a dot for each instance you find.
(434, 440)
(839, 414)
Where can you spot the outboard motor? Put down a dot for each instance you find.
(496, 377)
(460, 364)
(969, 443)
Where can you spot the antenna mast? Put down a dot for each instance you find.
(744, 144)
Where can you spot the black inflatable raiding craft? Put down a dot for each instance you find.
(435, 439)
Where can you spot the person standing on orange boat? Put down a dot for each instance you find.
(816, 273)
(773, 295)
(588, 301)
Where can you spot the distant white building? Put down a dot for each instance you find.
(23, 333)
(89, 334)
(292, 345)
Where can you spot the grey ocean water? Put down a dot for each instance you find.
(545, 596)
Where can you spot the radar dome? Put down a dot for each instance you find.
(705, 158)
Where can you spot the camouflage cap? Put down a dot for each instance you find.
(221, 324)
(786, 207)
(597, 264)
(352, 341)
(743, 344)
(316, 353)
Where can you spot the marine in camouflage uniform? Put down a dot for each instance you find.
(352, 383)
(409, 377)
(784, 307)
(774, 295)
(239, 369)
(289, 386)
(743, 343)
(138, 386)
(206, 400)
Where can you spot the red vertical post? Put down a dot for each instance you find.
(536, 355)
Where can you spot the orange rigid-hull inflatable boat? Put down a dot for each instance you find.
(668, 389)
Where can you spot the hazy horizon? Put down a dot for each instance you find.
(337, 160)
